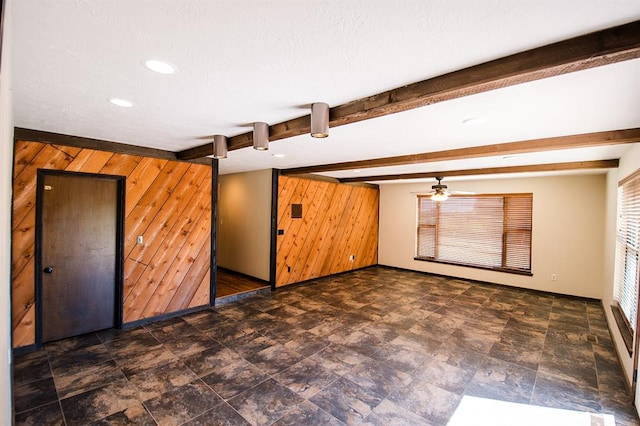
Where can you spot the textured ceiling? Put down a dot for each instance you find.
(244, 61)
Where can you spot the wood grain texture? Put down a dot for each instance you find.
(575, 165)
(595, 49)
(77, 142)
(610, 137)
(168, 202)
(231, 282)
(337, 221)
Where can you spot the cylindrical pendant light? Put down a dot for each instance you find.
(319, 120)
(260, 136)
(219, 146)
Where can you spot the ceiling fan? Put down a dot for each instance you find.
(439, 191)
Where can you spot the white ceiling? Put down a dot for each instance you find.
(241, 61)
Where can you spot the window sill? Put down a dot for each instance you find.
(486, 268)
(623, 325)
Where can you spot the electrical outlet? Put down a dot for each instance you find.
(140, 239)
(352, 258)
(554, 277)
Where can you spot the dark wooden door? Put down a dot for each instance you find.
(78, 254)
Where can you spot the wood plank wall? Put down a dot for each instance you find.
(167, 202)
(338, 221)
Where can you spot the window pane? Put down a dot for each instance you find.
(482, 230)
(628, 248)
(518, 221)
(518, 254)
(426, 241)
(470, 231)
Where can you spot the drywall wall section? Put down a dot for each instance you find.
(168, 203)
(324, 228)
(629, 163)
(244, 222)
(567, 240)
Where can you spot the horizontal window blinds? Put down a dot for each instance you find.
(628, 248)
(492, 231)
(518, 231)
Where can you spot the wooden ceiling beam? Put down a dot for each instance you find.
(554, 167)
(591, 50)
(585, 140)
(22, 134)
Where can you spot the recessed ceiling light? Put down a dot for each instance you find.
(121, 102)
(356, 171)
(277, 155)
(160, 66)
(473, 121)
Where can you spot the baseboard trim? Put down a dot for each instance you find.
(223, 300)
(145, 321)
(549, 293)
(26, 349)
(299, 283)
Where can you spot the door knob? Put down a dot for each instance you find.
(48, 269)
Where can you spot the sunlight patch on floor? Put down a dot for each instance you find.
(474, 411)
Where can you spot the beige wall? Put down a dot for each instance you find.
(6, 158)
(567, 240)
(629, 163)
(244, 226)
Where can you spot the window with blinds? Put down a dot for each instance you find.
(627, 269)
(487, 231)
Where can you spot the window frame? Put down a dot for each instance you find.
(420, 225)
(623, 321)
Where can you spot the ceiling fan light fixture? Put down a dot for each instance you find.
(439, 196)
(440, 192)
(219, 146)
(260, 136)
(319, 120)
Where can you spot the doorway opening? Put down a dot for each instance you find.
(243, 236)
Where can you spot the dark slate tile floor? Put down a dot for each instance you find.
(376, 346)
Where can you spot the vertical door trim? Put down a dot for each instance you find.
(119, 269)
(213, 264)
(273, 251)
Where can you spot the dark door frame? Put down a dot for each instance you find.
(273, 251)
(213, 263)
(121, 180)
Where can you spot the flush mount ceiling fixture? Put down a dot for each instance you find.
(160, 67)
(319, 120)
(260, 136)
(219, 146)
(121, 102)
